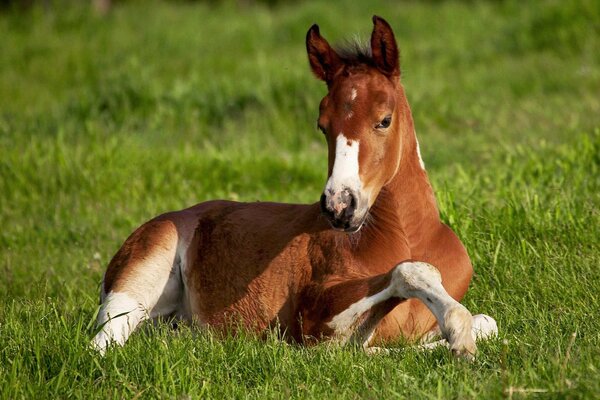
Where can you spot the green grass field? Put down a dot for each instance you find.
(106, 122)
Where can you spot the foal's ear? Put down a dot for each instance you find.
(384, 48)
(324, 61)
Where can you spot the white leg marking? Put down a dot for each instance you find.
(484, 327)
(119, 315)
(423, 281)
(158, 292)
(344, 323)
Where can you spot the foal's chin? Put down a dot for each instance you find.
(349, 227)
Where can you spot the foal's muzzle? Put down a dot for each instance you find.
(340, 209)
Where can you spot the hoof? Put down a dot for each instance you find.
(484, 327)
(458, 326)
(464, 353)
(100, 343)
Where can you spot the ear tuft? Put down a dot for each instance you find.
(384, 47)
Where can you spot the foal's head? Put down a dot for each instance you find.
(359, 119)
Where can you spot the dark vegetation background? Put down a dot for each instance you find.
(109, 117)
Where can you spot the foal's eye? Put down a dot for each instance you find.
(385, 123)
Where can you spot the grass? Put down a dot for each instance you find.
(106, 122)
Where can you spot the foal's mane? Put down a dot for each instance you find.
(355, 53)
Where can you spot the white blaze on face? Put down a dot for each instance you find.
(345, 166)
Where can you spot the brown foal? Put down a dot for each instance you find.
(369, 263)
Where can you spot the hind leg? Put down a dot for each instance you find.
(119, 315)
(142, 281)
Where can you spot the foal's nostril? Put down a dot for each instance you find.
(339, 208)
(348, 198)
(323, 205)
(324, 208)
(345, 196)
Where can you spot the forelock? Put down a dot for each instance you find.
(355, 51)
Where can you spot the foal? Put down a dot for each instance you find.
(369, 263)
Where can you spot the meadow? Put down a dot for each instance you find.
(107, 121)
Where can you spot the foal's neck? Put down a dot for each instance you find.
(405, 210)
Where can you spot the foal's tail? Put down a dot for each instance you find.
(142, 281)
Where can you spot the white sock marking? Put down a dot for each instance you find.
(424, 281)
(484, 327)
(343, 323)
(120, 314)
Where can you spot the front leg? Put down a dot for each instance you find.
(424, 282)
(346, 311)
(349, 311)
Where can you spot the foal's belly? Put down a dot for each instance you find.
(254, 294)
(241, 271)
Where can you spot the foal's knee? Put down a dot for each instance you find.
(410, 276)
